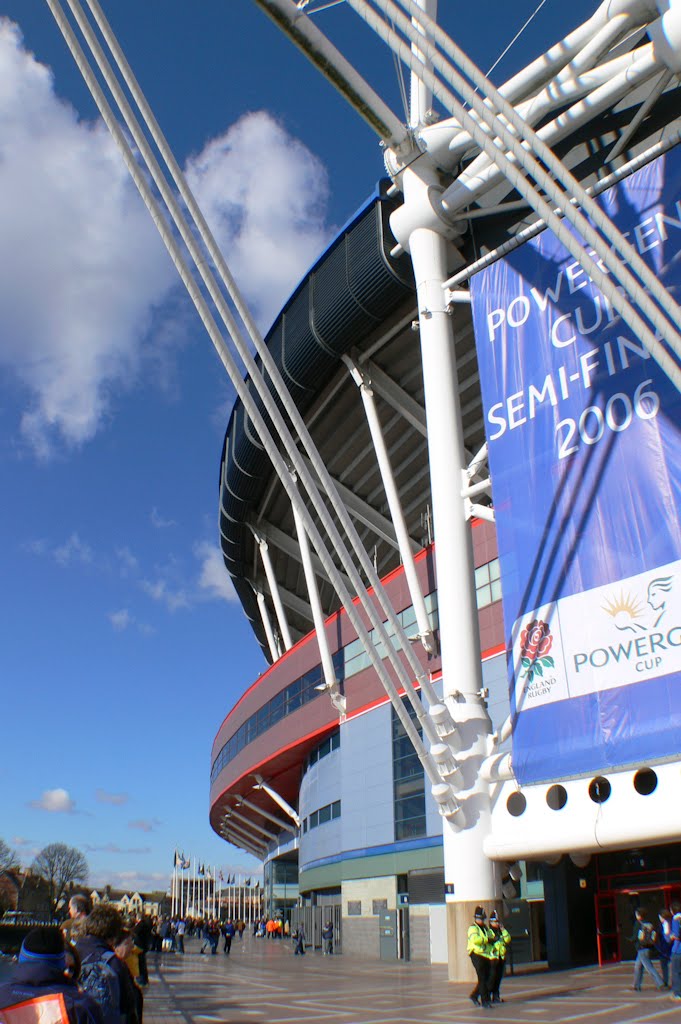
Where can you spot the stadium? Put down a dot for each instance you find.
(361, 836)
(449, 501)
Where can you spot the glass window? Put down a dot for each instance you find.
(412, 829)
(324, 814)
(481, 576)
(348, 661)
(488, 583)
(409, 799)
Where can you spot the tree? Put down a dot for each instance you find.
(8, 858)
(60, 865)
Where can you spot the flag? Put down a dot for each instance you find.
(202, 870)
(221, 876)
(248, 881)
(176, 859)
(184, 862)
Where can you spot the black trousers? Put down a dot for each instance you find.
(496, 975)
(483, 966)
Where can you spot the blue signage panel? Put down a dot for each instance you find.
(585, 455)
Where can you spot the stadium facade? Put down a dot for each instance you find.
(330, 793)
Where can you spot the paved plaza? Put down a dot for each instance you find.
(261, 980)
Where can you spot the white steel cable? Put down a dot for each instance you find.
(538, 226)
(254, 335)
(542, 207)
(506, 118)
(481, 175)
(516, 37)
(246, 398)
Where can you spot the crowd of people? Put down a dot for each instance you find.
(89, 971)
(92, 969)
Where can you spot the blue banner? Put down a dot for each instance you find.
(584, 442)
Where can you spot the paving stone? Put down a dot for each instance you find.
(261, 980)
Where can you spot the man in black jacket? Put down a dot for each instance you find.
(40, 976)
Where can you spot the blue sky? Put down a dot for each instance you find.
(122, 648)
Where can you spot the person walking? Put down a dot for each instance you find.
(327, 935)
(644, 940)
(180, 931)
(501, 940)
(479, 946)
(228, 934)
(676, 950)
(300, 941)
(664, 943)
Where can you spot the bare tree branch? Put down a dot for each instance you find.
(60, 865)
(8, 857)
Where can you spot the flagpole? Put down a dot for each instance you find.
(173, 890)
(185, 890)
(172, 886)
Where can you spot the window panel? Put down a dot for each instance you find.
(481, 575)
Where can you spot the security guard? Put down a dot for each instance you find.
(480, 939)
(501, 940)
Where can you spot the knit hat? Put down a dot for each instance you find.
(493, 917)
(479, 912)
(44, 945)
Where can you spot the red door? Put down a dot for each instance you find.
(607, 934)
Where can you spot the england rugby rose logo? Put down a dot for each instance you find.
(535, 643)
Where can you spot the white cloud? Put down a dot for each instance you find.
(73, 550)
(117, 799)
(144, 824)
(82, 264)
(264, 195)
(131, 881)
(214, 579)
(159, 522)
(159, 591)
(127, 562)
(115, 848)
(56, 801)
(87, 290)
(120, 620)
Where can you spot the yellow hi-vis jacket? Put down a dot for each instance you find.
(501, 940)
(480, 941)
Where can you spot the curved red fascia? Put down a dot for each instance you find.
(423, 554)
